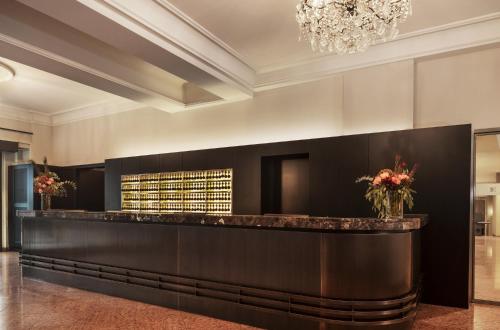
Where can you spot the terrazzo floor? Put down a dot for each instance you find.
(30, 304)
(487, 268)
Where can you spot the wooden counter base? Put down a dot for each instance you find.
(275, 279)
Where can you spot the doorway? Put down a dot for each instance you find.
(17, 155)
(486, 217)
(285, 184)
(21, 198)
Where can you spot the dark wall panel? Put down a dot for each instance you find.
(246, 180)
(149, 163)
(170, 162)
(207, 159)
(69, 202)
(90, 192)
(112, 184)
(443, 191)
(131, 165)
(335, 164)
(443, 186)
(270, 183)
(284, 148)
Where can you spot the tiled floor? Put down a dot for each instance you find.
(30, 304)
(487, 268)
(477, 317)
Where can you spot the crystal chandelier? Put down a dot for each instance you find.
(350, 26)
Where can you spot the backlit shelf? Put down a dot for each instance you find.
(207, 191)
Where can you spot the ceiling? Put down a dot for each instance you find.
(218, 51)
(265, 33)
(56, 37)
(40, 91)
(487, 157)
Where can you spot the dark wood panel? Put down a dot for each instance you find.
(277, 279)
(271, 185)
(285, 148)
(281, 260)
(149, 163)
(372, 265)
(170, 162)
(96, 187)
(231, 312)
(112, 186)
(139, 247)
(287, 261)
(351, 162)
(285, 184)
(54, 238)
(207, 159)
(246, 180)
(113, 244)
(295, 197)
(443, 186)
(131, 165)
(210, 254)
(90, 191)
(335, 164)
(69, 202)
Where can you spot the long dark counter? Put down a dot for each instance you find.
(410, 222)
(274, 272)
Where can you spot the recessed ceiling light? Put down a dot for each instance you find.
(6, 73)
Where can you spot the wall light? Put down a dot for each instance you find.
(6, 73)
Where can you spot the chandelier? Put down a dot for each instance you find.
(349, 26)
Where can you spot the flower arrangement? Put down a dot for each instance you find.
(389, 189)
(48, 184)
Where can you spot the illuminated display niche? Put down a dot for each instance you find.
(207, 191)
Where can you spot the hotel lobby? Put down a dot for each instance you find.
(285, 164)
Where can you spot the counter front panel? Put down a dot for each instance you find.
(275, 277)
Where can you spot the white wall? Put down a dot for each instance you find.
(447, 89)
(40, 142)
(328, 107)
(291, 113)
(378, 98)
(459, 88)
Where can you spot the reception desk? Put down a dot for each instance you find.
(273, 272)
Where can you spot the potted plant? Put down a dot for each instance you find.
(390, 189)
(48, 184)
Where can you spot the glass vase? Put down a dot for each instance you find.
(46, 202)
(394, 205)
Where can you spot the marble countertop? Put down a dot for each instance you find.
(410, 222)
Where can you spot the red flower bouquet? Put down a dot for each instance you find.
(389, 189)
(48, 184)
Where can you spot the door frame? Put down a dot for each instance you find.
(477, 132)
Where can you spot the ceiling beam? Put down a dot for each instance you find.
(144, 29)
(34, 39)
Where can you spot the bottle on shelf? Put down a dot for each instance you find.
(207, 191)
